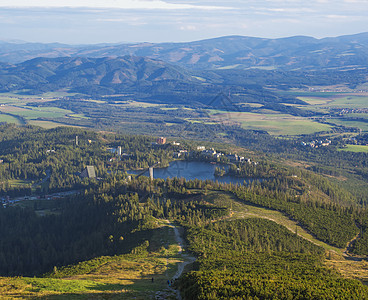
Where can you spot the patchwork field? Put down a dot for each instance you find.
(275, 124)
(16, 109)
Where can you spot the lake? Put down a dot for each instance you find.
(193, 170)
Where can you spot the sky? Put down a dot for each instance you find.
(118, 21)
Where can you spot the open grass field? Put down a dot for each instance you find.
(34, 113)
(18, 182)
(15, 109)
(324, 102)
(334, 100)
(355, 148)
(275, 124)
(9, 119)
(49, 124)
(345, 122)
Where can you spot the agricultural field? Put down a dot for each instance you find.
(355, 106)
(9, 119)
(49, 124)
(275, 124)
(350, 123)
(355, 148)
(16, 109)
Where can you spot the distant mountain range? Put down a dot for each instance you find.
(231, 52)
(136, 78)
(79, 74)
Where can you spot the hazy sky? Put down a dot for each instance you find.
(106, 21)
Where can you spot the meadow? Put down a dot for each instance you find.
(355, 148)
(273, 123)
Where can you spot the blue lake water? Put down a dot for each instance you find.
(193, 170)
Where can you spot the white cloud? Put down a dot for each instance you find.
(290, 10)
(337, 17)
(188, 27)
(122, 4)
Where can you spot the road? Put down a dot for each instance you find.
(48, 197)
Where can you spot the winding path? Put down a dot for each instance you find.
(188, 259)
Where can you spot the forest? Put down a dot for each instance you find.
(258, 259)
(116, 214)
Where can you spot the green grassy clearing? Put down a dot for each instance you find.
(355, 148)
(78, 116)
(58, 94)
(298, 93)
(334, 100)
(352, 101)
(9, 119)
(95, 101)
(140, 104)
(49, 124)
(315, 100)
(345, 122)
(228, 67)
(18, 182)
(30, 113)
(169, 108)
(275, 124)
(251, 104)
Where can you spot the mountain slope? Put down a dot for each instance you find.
(298, 52)
(45, 74)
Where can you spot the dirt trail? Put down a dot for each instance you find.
(187, 259)
(349, 247)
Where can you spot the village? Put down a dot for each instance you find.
(179, 152)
